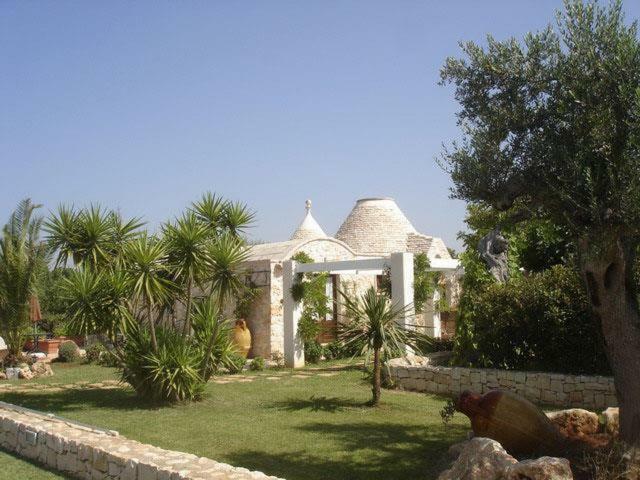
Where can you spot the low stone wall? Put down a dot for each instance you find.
(577, 391)
(88, 453)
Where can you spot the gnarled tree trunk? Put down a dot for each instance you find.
(607, 268)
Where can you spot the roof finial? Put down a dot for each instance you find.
(308, 205)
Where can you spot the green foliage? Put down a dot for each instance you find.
(447, 412)
(170, 374)
(94, 352)
(277, 360)
(92, 237)
(22, 256)
(68, 352)
(246, 298)
(235, 363)
(257, 364)
(373, 326)
(313, 351)
(540, 322)
(126, 284)
(213, 335)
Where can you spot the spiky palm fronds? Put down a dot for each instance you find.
(22, 256)
(237, 218)
(186, 242)
(373, 328)
(213, 332)
(145, 265)
(93, 236)
(98, 302)
(224, 267)
(210, 210)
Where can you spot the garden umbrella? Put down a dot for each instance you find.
(34, 310)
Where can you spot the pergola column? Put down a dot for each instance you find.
(402, 286)
(292, 310)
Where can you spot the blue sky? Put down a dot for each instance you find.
(143, 106)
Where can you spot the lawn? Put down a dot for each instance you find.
(15, 468)
(309, 424)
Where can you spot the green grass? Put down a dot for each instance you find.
(16, 468)
(295, 428)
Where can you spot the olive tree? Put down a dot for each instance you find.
(552, 123)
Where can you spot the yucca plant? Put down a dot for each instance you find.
(168, 374)
(372, 327)
(22, 256)
(186, 243)
(145, 265)
(211, 328)
(92, 237)
(98, 302)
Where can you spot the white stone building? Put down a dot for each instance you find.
(375, 227)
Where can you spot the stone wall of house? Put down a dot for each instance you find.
(560, 390)
(86, 453)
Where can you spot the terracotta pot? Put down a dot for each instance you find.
(515, 422)
(242, 337)
(49, 346)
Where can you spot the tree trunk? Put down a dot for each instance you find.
(607, 268)
(376, 377)
(152, 328)
(187, 318)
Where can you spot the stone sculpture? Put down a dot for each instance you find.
(493, 248)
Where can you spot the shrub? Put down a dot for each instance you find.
(436, 345)
(169, 375)
(334, 351)
(257, 364)
(313, 351)
(68, 351)
(539, 322)
(109, 359)
(94, 352)
(277, 360)
(235, 363)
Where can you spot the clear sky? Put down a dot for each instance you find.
(143, 106)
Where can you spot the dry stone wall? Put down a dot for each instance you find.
(87, 453)
(576, 391)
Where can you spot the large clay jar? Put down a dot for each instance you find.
(242, 337)
(519, 426)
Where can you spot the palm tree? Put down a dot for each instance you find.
(98, 302)
(186, 243)
(373, 328)
(94, 237)
(22, 256)
(145, 266)
(225, 257)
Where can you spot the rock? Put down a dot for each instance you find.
(3, 376)
(543, 468)
(480, 459)
(456, 449)
(575, 422)
(25, 373)
(12, 373)
(612, 420)
(41, 369)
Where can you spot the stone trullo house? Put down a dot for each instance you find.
(376, 227)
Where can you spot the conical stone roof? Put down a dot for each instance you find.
(308, 228)
(377, 226)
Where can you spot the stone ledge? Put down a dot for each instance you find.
(560, 390)
(84, 452)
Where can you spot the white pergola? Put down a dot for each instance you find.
(400, 265)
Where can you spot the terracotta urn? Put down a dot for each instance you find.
(242, 337)
(515, 422)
